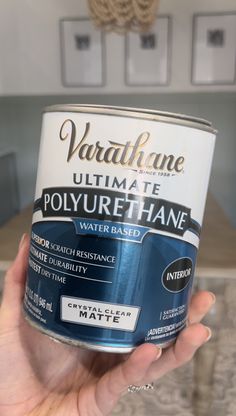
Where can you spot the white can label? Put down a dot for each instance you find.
(150, 175)
(98, 314)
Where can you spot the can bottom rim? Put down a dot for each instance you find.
(82, 344)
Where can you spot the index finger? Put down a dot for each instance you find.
(200, 304)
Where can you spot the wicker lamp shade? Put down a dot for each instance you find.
(123, 15)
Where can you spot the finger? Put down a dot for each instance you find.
(131, 371)
(187, 343)
(200, 304)
(14, 283)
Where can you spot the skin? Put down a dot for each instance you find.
(40, 377)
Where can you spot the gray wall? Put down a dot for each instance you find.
(20, 122)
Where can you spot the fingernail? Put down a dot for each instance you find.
(213, 298)
(22, 240)
(209, 332)
(159, 352)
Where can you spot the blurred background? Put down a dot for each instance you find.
(52, 52)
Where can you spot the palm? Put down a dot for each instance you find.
(41, 377)
(45, 371)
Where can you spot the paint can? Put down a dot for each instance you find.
(119, 202)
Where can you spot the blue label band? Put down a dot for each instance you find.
(106, 291)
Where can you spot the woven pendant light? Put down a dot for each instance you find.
(123, 15)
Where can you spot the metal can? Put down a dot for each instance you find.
(119, 202)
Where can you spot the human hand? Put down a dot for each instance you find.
(40, 377)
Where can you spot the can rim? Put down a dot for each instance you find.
(134, 112)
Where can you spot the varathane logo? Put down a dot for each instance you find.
(128, 154)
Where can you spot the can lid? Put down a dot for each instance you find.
(169, 117)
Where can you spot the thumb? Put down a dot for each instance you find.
(14, 283)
